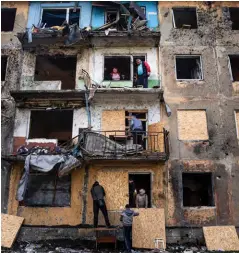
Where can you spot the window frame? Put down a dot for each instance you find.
(131, 65)
(173, 21)
(110, 10)
(14, 19)
(61, 8)
(230, 66)
(212, 189)
(188, 56)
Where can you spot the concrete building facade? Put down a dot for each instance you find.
(192, 49)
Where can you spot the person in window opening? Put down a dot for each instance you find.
(142, 199)
(126, 218)
(143, 72)
(98, 194)
(132, 193)
(136, 130)
(115, 75)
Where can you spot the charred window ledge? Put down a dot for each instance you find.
(198, 208)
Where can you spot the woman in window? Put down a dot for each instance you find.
(115, 75)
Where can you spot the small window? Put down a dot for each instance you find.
(56, 17)
(185, 18)
(188, 67)
(234, 14)
(234, 67)
(110, 15)
(8, 19)
(117, 64)
(53, 68)
(48, 190)
(52, 125)
(138, 181)
(197, 189)
(3, 67)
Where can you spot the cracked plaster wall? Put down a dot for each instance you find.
(216, 93)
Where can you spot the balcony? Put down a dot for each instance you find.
(121, 145)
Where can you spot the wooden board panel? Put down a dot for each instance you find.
(156, 139)
(148, 226)
(116, 187)
(221, 238)
(10, 227)
(113, 120)
(192, 125)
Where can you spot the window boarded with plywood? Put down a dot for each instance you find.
(192, 125)
(237, 123)
(112, 121)
(116, 187)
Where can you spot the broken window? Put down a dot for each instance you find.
(48, 190)
(56, 17)
(188, 67)
(55, 124)
(126, 67)
(185, 18)
(197, 189)
(234, 14)
(110, 15)
(8, 19)
(140, 181)
(53, 68)
(3, 67)
(234, 67)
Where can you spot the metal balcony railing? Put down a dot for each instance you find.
(120, 144)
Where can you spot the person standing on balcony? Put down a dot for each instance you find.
(136, 129)
(98, 194)
(143, 73)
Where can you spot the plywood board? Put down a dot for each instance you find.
(156, 139)
(10, 227)
(148, 226)
(237, 123)
(116, 187)
(113, 120)
(192, 125)
(221, 238)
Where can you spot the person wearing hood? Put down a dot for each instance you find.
(127, 219)
(98, 194)
(142, 199)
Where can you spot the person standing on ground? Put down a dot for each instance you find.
(98, 194)
(143, 73)
(142, 199)
(127, 219)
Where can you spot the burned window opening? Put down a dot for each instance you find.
(197, 189)
(54, 68)
(51, 125)
(140, 181)
(185, 18)
(48, 190)
(111, 16)
(234, 14)
(8, 19)
(56, 17)
(188, 67)
(3, 67)
(234, 67)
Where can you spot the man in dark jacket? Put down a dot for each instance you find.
(143, 72)
(127, 219)
(98, 194)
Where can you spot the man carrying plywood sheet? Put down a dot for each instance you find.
(127, 219)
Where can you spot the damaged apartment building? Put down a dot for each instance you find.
(66, 112)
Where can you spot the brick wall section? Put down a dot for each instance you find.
(192, 125)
